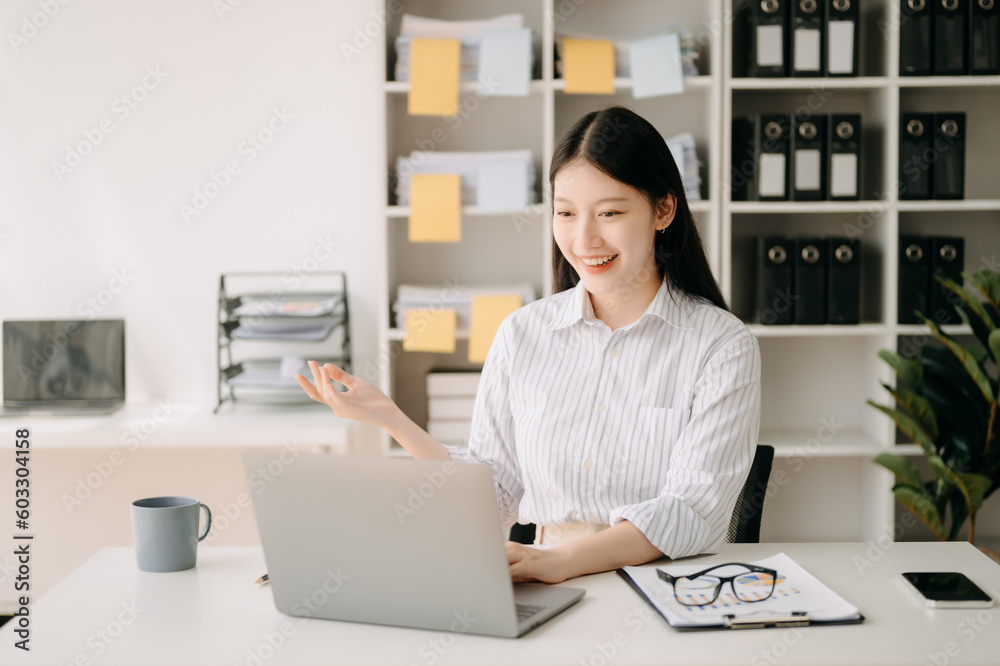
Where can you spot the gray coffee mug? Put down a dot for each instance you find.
(165, 532)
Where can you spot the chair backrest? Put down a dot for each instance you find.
(744, 526)
(523, 533)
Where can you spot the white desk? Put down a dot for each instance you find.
(165, 424)
(214, 614)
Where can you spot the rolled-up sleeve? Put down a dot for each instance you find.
(711, 459)
(491, 441)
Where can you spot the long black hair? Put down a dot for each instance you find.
(626, 147)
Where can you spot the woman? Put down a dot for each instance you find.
(620, 413)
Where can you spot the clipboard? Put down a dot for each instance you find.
(819, 605)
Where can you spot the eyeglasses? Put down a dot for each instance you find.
(751, 583)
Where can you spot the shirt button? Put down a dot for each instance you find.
(588, 463)
(614, 352)
(592, 519)
(601, 407)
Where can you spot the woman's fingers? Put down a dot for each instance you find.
(317, 377)
(337, 374)
(309, 388)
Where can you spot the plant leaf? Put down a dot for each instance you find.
(977, 485)
(908, 369)
(966, 297)
(979, 353)
(909, 426)
(988, 284)
(968, 362)
(994, 340)
(904, 469)
(959, 514)
(918, 407)
(952, 477)
(921, 506)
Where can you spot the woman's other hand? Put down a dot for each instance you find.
(361, 401)
(530, 564)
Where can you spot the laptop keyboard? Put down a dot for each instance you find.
(524, 611)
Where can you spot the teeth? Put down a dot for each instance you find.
(599, 262)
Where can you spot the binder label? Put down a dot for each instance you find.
(769, 41)
(806, 57)
(807, 169)
(843, 175)
(841, 53)
(772, 175)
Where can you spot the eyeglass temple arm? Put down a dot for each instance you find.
(663, 575)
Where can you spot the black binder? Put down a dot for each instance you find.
(843, 281)
(810, 280)
(773, 143)
(842, 38)
(769, 38)
(809, 158)
(984, 38)
(844, 152)
(807, 38)
(916, 37)
(947, 260)
(744, 159)
(950, 34)
(914, 279)
(948, 170)
(775, 303)
(916, 134)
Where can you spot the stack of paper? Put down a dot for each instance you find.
(682, 149)
(623, 49)
(451, 297)
(450, 400)
(469, 33)
(500, 180)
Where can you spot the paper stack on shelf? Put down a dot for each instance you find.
(682, 148)
(504, 178)
(623, 68)
(451, 397)
(451, 297)
(468, 32)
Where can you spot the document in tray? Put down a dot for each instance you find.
(265, 331)
(797, 593)
(267, 306)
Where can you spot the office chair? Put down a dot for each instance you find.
(744, 526)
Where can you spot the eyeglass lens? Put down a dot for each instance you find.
(749, 587)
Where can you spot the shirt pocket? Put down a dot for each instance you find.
(648, 450)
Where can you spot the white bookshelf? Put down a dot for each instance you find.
(810, 373)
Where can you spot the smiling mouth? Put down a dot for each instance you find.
(598, 262)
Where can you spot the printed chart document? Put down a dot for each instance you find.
(797, 593)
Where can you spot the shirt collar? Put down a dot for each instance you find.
(668, 304)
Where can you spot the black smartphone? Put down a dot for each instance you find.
(948, 589)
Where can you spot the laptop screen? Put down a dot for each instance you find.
(64, 360)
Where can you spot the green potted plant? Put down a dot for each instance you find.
(947, 402)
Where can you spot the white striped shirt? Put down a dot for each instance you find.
(655, 423)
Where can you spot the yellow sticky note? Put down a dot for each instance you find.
(430, 331)
(487, 313)
(589, 66)
(434, 77)
(435, 208)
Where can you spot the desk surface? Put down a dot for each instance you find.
(165, 423)
(108, 612)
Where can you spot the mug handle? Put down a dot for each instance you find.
(208, 523)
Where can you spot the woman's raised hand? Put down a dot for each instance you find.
(361, 401)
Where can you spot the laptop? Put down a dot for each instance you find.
(393, 541)
(63, 367)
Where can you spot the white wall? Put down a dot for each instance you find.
(64, 236)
